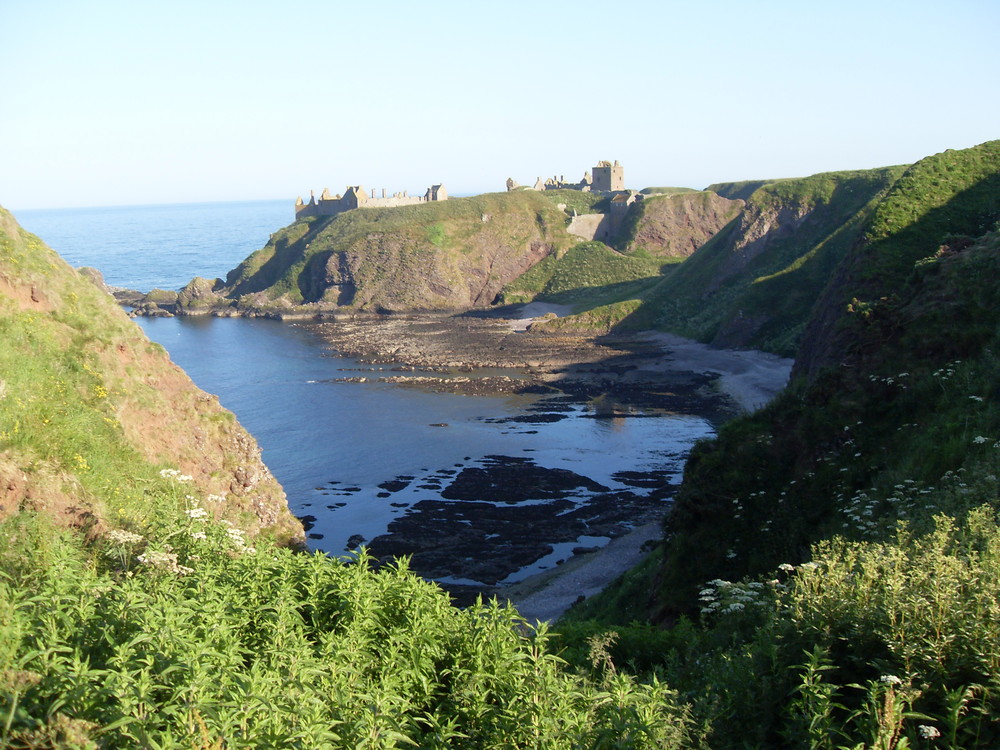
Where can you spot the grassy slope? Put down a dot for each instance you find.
(601, 285)
(134, 613)
(841, 548)
(91, 411)
(811, 432)
(754, 284)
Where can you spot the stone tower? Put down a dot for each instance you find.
(608, 177)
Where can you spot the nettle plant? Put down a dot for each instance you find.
(195, 635)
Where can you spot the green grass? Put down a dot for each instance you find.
(667, 190)
(579, 201)
(576, 274)
(208, 642)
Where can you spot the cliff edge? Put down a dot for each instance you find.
(98, 428)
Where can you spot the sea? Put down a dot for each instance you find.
(352, 456)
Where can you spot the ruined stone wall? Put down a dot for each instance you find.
(359, 198)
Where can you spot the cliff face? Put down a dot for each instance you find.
(97, 426)
(455, 254)
(754, 282)
(674, 226)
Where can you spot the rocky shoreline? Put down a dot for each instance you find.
(494, 519)
(483, 352)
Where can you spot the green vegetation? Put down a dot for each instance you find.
(579, 201)
(739, 190)
(603, 286)
(667, 190)
(838, 550)
(584, 267)
(194, 638)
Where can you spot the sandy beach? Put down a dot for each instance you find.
(750, 378)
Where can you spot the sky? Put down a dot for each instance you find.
(110, 102)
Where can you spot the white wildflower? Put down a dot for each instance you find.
(979, 439)
(199, 535)
(928, 732)
(166, 561)
(215, 499)
(890, 679)
(975, 398)
(786, 567)
(120, 536)
(196, 513)
(175, 474)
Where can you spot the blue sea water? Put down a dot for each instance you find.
(332, 444)
(159, 247)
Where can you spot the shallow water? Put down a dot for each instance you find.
(331, 444)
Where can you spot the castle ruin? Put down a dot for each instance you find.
(607, 178)
(355, 196)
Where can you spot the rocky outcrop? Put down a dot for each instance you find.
(756, 230)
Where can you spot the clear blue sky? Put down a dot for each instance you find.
(110, 102)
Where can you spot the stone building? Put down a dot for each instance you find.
(355, 196)
(607, 178)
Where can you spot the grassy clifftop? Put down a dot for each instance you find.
(455, 254)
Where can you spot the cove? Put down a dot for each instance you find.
(479, 489)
